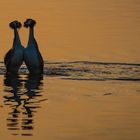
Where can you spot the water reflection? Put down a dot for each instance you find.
(24, 98)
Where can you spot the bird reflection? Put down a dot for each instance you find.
(24, 98)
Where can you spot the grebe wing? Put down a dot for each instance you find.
(8, 56)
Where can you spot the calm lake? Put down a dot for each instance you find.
(90, 89)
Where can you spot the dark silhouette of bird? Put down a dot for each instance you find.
(14, 57)
(32, 56)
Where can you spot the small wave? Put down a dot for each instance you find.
(86, 70)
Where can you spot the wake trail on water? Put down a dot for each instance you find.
(87, 70)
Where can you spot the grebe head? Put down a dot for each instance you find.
(15, 24)
(29, 23)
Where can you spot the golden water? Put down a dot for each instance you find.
(74, 110)
(74, 101)
(95, 30)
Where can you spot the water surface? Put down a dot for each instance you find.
(72, 100)
(90, 88)
(87, 30)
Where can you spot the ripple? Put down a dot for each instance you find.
(24, 97)
(86, 70)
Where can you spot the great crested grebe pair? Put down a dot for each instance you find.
(18, 54)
